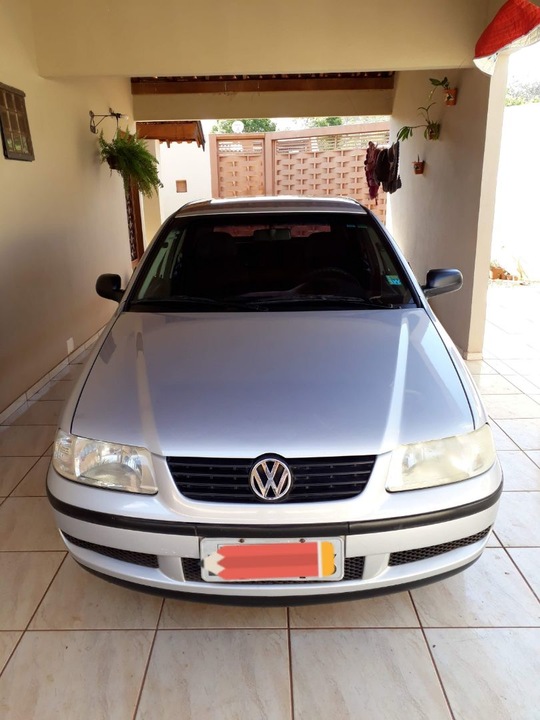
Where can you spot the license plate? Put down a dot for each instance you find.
(290, 560)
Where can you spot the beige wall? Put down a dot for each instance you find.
(486, 214)
(185, 161)
(442, 218)
(62, 217)
(130, 37)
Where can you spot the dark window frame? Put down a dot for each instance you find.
(14, 124)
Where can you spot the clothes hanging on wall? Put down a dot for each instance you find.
(387, 168)
(370, 162)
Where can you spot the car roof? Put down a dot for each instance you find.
(271, 204)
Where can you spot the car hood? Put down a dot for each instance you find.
(297, 384)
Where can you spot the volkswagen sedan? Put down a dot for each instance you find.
(274, 415)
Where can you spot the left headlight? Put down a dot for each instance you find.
(104, 464)
(440, 462)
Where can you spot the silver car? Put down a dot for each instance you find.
(274, 415)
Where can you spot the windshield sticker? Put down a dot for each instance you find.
(393, 280)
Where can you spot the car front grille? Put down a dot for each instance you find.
(353, 570)
(314, 479)
(408, 556)
(136, 558)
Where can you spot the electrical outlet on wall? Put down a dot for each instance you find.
(70, 345)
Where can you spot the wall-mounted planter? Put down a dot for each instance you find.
(432, 131)
(418, 166)
(450, 97)
(450, 93)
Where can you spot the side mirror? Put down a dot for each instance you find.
(109, 286)
(442, 281)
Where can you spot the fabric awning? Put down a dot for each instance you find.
(516, 25)
(170, 131)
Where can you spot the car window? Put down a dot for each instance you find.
(276, 258)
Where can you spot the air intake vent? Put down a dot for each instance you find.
(136, 558)
(408, 556)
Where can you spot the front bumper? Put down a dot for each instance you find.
(381, 555)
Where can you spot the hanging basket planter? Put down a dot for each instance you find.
(112, 162)
(418, 166)
(129, 156)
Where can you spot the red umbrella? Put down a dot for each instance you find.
(516, 25)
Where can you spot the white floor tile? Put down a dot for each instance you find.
(489, 674)
(179, 614)
(19, 441)
(71, 372)
(26, 523)
(520, 472)
(37, 413)
(479, 367)
(33, 484)
(75, 675)
(525, 433)
(59, 390)
(528, 561)
(12, 471)
(523, 366)
(501, 439)
(511, 406)
(78, 600)
(25, 576)
(394, 610)
(489, 593)
(523, 384)
(8, 640)
(500, 366)
(535, 456)
(517, 523)
(196, 674)
(494, 385)
(365, 675)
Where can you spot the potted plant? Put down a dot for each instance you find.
(418, 166)
(450, 93)
(129, 156)
(432, 129)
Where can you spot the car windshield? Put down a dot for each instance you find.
(273, 262)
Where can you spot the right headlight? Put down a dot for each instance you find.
(440, 462)
(104, 464)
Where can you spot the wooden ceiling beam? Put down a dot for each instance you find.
(175, 86)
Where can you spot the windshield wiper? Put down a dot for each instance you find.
(190, 301)
(323, 300)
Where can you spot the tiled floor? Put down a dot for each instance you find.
(73, 646)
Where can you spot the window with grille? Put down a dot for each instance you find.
(16, 138)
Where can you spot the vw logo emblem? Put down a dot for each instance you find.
(270, 479)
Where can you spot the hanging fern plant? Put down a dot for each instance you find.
(129, 156)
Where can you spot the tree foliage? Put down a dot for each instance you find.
(523, 93)
(251, 125)
(318, 122)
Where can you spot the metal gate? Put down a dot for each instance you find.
(317, 162)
